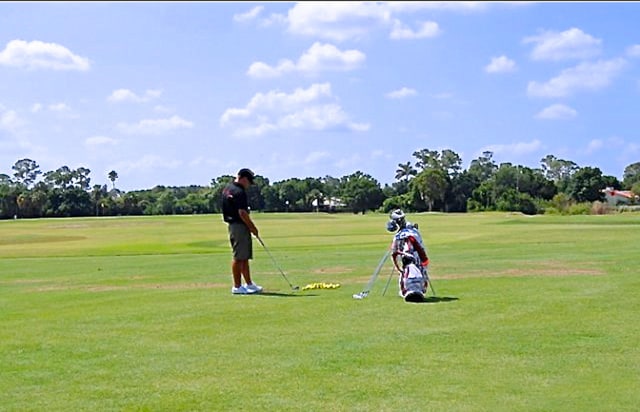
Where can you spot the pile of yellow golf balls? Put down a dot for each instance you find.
(321, 285)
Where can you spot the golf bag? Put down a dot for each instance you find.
(407, 247)
(413, 283)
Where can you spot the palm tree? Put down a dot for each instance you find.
(113, 176)
(405, 171)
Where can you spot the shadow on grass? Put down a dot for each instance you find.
(284, 295)
(437, 299)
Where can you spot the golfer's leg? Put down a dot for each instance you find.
(246, 272)
(236, 270)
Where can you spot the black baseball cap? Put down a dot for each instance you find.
(246, 173)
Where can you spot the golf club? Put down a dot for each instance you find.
(373, 278)
(433, 291)
(388, 281)
(294, 288)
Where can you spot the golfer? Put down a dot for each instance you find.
(235, 211)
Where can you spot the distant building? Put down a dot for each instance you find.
(616, 197)
(328, 205)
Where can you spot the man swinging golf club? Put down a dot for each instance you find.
(235, 211)
(408, 248)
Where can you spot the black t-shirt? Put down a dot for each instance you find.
(234, 198)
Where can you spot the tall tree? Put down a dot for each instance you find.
(558, 170)
(5, 179)
(461, 189)
(431, 186)
(405, 171)
(631, 175)
(26, 172)
(61, 178)
(586, 185)
(113, 175)
(81, 178)
(98, 192)
(427, 159)
(361, 192)
(483, 168)
(451, 162)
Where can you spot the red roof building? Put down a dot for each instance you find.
(616, 197)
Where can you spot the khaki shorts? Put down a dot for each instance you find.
(240, 239)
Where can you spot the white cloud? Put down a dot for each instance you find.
(569, 44)
(341, 21)
(359, 127)
(350, 162)
(255, 14)
(9, 120)
(455, 6)
(514, 149)
(40, 55)
(354, 20)
(319, 57)
(442, 95)
(612, 144)
(633, 51)
(380, 154)
(95, 141)
(162, 109)
(401, 93)
(501, 64)
(126, 95)
(276, 100)
(315, 157)
(249, 15)
(594, 145)
(303, 109)
(426, 29)
(557, 111)
(155, 126)
(147, 163)
(585, 76)
(59, 107)
(633, 148)
(273, 19)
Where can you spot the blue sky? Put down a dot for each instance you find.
(178, 93)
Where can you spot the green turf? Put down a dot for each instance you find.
(135, 314)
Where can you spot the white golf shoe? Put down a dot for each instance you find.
(252, 288)
(239, 290)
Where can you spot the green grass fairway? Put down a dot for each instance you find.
(135, 314)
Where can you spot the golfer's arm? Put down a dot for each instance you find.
(247, 221)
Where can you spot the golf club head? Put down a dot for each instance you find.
(360, 295)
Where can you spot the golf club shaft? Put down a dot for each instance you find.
(376, 272)
(275, 263)
(388, 281)
(433, 291)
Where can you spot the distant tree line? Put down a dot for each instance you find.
(432, 181)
